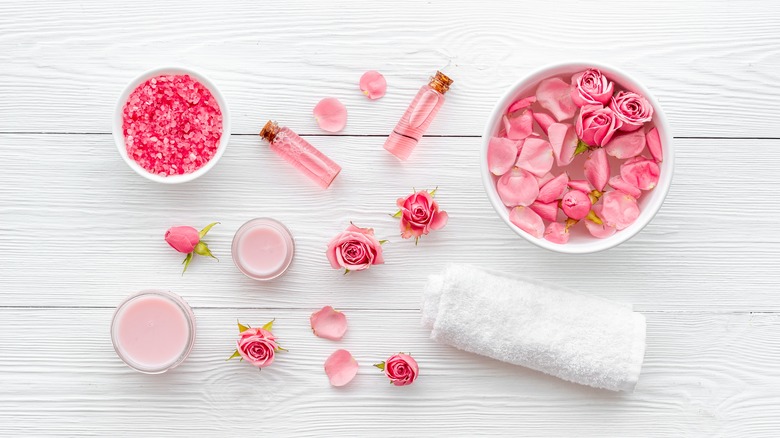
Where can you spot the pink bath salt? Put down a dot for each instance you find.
(172, 125)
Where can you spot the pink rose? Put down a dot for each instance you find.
(182, 239)
(420, 214)
(257, 346)
(632, 109)
(596, 125)
(591, 88)
(355, 249)
(401, 369)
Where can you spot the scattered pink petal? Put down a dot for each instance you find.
(501, 155)
(554, 95)
(576, 204)
(563, 140)
(520, 126)
(522, 103)
(544, 121)
(341, 367)
(527, 220)
(546, 210)
(373, 84)
(597, 169)
(626, 145)
(517, 187)
(331, 114)
(619, 209)
(642, 173)
(328, 323)
(617, 183)
(536, 156)
(544, 179)
(600, 231)
(581, 185)
(556, 232)
(654, 145)
(553, 190)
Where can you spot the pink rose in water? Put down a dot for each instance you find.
(632, 109)
(257, 346)
(595, 126)
(187, 240)
(420, 215)
(400, 368)
(355, 249)
(591, 88)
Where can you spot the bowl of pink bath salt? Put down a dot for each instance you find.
(577, 157)
(171, 125)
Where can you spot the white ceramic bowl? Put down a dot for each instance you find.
(119, 138)
(649, 203)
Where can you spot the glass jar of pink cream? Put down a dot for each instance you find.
(263, 249)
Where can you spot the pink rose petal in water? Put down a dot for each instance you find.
(341, 367)
(517, 187)
(597, 169)
(619, 209)
(553, 189)
(575, 204)
(527, 220)
(628, 145)
(581, 185)
(556, 232)
(373, 84)
(563, 140)
(536, 156)
(641, 173)
(519, 126)
(544, 120)
(654, 145)
(544, 179)
(501, 155)
(599, 231)
(617, 183)
(522, 103)
(546, 210)
(554, 95)
(328, 323)
(331, 114)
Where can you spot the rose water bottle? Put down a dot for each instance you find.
(300, 153)
(418, 116)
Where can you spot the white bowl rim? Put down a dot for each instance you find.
(659, 192)
(119, 138)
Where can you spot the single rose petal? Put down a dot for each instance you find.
(544, 179)
(373, 84)
(627, 145)
(341, 367)
(517, 187)
(563, 140)
(536, 156)
(556, 232)
(544, 120)
(581, 185)
(597, 169)
(546, 210)
(617, 183)
(600, 231)
(331, 114)
(554, 95)
(501, 155)
(654, 145)
(553, 190)
(522, 103)
(520, 126)
(328, 323)
(527, 220)
(619, 209)
(642, 173)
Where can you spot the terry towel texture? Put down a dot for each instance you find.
(580, 338)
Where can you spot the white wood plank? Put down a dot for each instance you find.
(704, 375)
(80, 228)
(714, 65)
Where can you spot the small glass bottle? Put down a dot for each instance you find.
(418, 116)
(300, 153)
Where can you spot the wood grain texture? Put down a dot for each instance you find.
(715, 66)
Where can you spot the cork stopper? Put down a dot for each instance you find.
(269, 131)
(440, 82)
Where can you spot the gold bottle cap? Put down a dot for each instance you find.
(269, 131)
(440, 82)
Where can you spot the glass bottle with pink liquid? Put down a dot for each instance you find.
(418, 116)
(300, 153)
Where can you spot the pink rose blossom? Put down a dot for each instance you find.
(420, 215)
(575, 204)
(400, 368)
(373, 84)
(632, 109)
(257, 346)
(591, 88)
(355, 249)
(182, 239)
(596, 125)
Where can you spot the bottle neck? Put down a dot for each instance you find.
(440, 82)
(269, 131)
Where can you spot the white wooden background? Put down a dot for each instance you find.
(79, 231)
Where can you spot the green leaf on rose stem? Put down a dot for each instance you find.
(382, 242)
(186, 262)
(581, 147)
(416, 240)
(242, 328)
(206, 229)
(433, 192)
(203, 249)
(269, 325)
(346, 271)
(280, 348)
(234, 355)
(380, 365)
(398, 213)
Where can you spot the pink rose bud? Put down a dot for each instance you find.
(257, 346)
(632, 109)
(401, 369)
(354, 249)
(420, 215)
(576, 204)
(596, 125)
(182, 239)
(591, 88)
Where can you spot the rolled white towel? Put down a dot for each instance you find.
(583, 339)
